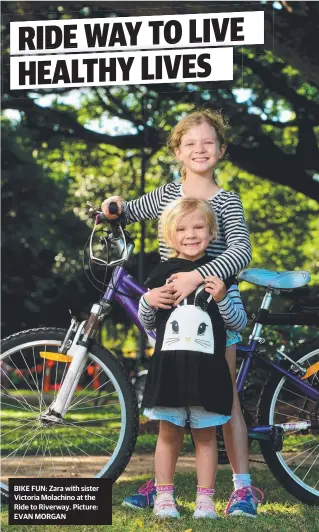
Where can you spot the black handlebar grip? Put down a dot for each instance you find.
(113, 208)
(100, 218)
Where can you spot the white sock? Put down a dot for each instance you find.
(241, 480)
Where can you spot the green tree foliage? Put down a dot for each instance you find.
(73, 146)
(36, 227)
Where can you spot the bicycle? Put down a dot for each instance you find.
(89, 417)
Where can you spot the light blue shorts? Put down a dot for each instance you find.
(232, 337)
(198, 417)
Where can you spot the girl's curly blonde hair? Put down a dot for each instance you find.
(213, 118)
(175, 212)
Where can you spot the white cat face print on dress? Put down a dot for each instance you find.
(189, 328)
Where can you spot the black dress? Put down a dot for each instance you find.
(188, 367)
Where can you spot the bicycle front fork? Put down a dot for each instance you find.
(75, 345)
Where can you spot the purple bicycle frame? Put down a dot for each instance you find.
(125, 291)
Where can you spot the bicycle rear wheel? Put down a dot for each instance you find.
(98, 433)
(296, 466)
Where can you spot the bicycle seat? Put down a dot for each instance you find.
(279, 280)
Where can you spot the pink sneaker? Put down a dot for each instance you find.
(164, 506)
(205, 508)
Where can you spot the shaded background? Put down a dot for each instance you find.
(64, 147)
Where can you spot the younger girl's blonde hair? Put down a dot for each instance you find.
(175, 212)
(214, 119)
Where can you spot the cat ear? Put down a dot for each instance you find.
(201, 298)
(182, 303)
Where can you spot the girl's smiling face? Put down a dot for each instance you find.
(199, 150)
(192, 236)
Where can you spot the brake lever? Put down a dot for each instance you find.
(92, 211)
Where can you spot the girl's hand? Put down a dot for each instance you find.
(106, 203)
(215, 287)
(184, 283)
(161, 297)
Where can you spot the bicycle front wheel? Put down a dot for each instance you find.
(97, 436)
(296, 466)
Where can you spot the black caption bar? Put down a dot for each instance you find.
(65, 501)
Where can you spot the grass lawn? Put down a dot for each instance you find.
(281, 512)
(13, 430)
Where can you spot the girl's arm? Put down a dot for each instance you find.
(147, 315)
(238, 253)
(232, 310)
(144, 208)
(159, 297)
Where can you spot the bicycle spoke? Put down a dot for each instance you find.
(90, 432)
(306, 458)
(90, 383)
(55, 381)
(293, 406)
(89, 407)
(77, 447)
(71, 456)
(19, 445)
(94, 419)
(43, 456)
(13, 385)
(42, 380)
(303, 443)
(93, 392)
(19, 372)
(287, 415)
(13, 453)
(16, 428)
(36, 373)
(38, 396)
(89, 400)
(25, 452)
(299, 454)
(74, 459)
(21, 405)
(311, 466)
(302, 396)
(48, 445)
(13, 406)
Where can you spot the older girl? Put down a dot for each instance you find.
(198, 141)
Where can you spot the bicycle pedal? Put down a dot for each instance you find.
(275, 437)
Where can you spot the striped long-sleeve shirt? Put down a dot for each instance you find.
(231, 310)
(231, 250)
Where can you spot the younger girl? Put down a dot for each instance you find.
(189, 377)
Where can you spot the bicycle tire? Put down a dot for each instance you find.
(110, 367)
(273, 459)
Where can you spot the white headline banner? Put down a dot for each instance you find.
(133, 33)
(78, 70)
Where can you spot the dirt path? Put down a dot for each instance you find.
(143, 464)
(86, 467)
